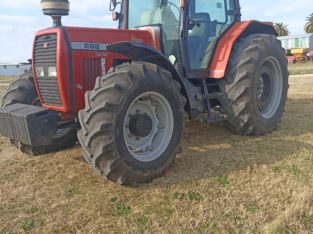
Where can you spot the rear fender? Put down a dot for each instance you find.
(223, 49)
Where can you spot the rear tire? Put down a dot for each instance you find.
(110, 128)
(23, 91)
(256, 85)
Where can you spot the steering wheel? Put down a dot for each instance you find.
(176, 7)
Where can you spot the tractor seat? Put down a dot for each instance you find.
(199, 37)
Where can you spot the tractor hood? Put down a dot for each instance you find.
(67, 61)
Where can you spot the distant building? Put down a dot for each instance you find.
(14, 69)
(304, 41)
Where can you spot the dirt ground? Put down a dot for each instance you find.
(221, 183)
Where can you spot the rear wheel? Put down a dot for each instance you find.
(23, 91)
(256, 85)
(132, 124)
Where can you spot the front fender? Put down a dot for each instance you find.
(141, 52)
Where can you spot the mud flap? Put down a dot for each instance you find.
(30, 125)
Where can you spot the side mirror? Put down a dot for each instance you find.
(191, 24)
(113, 4)
(116, 16)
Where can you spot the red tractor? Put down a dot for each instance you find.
(128, 91)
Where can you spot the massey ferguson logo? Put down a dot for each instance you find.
(45, 45)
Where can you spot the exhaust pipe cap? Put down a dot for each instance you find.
(56, 9)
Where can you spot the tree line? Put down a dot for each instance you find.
(282, 29)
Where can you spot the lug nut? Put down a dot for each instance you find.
(161, 126)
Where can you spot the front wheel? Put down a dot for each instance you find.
(256, 85)
(132, 124)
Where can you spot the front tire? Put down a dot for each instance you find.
(256, 85)
(132, 124)
(21, 90)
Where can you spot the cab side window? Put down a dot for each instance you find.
(208, 19)
(216, 9)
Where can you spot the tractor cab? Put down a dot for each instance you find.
(189, 29)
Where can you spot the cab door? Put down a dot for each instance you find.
(206, 21)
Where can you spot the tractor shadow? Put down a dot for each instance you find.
(213, 151)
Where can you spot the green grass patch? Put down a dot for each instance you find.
(223, 180)
(29, 224)
(194, 196)
(251, 208)
(143, 220)
(122, 210)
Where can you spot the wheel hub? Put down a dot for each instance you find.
(140, 125)
(148, 126)
(264, 90)
(269, 88)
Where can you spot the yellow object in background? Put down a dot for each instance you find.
(299, 51)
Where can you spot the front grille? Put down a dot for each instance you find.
(92, 69)
(45, 51)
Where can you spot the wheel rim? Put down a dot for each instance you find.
(270, 88)
(148, 126)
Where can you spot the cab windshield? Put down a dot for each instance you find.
(161, 13)
(153, 12)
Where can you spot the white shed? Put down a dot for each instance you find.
(13, 69)
(304, 41)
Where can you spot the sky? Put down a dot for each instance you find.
(21, 19)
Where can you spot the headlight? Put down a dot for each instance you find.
(52, 72)
(40, 72)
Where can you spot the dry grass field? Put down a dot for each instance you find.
(221, 183)
(301, 68)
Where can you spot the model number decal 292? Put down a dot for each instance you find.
(92, 46)
(88, 46)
